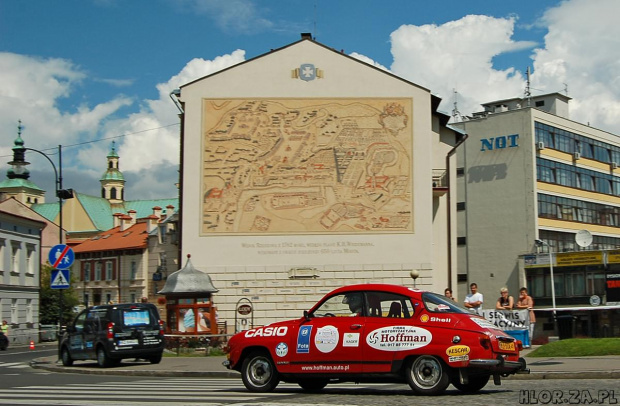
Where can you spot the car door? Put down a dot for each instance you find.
(328, 342)
(390, 332)
(76, 336)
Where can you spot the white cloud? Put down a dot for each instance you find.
(458, 55)
(368, 60)
(239, 16)
(582, 52)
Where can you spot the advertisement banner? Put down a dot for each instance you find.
(579, 258)
(508, 319)
(612, 285)
(613, 257)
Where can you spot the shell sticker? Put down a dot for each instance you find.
(399, 338)
(326, 338)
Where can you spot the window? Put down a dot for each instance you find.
(108, 298)
(14, 313)
(29, 318)
(98, 270)
(460, 171)
(113, 193)
(540, 103)
(108, 271)
(86, 275)
(343, 305)
(30, 259)
(133, 272)
(461, 240)
(132, 298)
(15, 253)
(460, 206)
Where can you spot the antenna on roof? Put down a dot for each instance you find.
(527, 93)
(455, 111)
(566, 88)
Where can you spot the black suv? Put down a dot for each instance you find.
(110, 333)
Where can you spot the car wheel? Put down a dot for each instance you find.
(474, 384)
(258, 373)
(102, 358)
(313, 385)
(66, 357)
(155, 359)
(427, 375)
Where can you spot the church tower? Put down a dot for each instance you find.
(17, 184)
(112, 182)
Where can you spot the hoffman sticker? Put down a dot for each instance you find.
(399, 338)
(281, 350)
(303, 340)
(351, 340)
(326, 338)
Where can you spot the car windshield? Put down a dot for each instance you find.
(439, 303)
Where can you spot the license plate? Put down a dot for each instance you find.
(128, 342)
(507, 346)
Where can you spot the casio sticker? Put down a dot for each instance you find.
(326, 339)
(281, 350)
(351, 340)
(399, 338)
(303, 340)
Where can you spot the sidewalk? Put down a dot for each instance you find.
(607, 367)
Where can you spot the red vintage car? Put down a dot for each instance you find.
(377, 333)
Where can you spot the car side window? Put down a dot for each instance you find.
(343, 305)
(385, 304)
(79, 322)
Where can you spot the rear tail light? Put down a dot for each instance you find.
(485, 341)
(519, 345)
(161, 327)
(110, 330)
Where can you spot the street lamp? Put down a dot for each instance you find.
(415, 274)
(19, 171)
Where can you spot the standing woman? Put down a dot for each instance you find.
(505, 301)
(526, 302)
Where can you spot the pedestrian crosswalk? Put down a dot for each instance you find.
(152, 391)
(14, 365)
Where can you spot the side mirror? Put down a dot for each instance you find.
(306, 315)
(70, 329)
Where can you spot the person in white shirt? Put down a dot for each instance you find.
(473, 301)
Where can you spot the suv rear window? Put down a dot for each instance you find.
(136, 317)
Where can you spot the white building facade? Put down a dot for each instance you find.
(527, 173)
(304, 170)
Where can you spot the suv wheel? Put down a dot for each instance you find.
(155, 359)
(66, 357)
(102, 358)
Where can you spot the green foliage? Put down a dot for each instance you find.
(578, 347)
(49, 299)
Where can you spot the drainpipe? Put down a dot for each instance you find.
(450, 153)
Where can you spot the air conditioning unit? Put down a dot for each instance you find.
(576, 156)
(614, 165)
(540, 145)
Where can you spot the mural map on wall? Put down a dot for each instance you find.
(307, 166)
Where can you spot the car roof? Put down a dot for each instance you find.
(381, 287)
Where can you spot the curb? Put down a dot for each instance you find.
(53, 367)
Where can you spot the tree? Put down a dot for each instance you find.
(49, 300)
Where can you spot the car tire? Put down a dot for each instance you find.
(103, 360)
(258, 372)
(65, 356)
(155, 359)
(313, 385)
(427, 375)
(474, 384)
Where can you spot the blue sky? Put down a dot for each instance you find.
(81, 73)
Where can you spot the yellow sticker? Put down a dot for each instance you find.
(457, 350)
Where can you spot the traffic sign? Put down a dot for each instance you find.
(61, 256)
(60, 279)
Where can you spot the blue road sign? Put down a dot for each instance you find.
(60, 279)
(61, 256)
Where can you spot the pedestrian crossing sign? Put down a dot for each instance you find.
(60, 279)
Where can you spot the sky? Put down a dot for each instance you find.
(86, 73)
